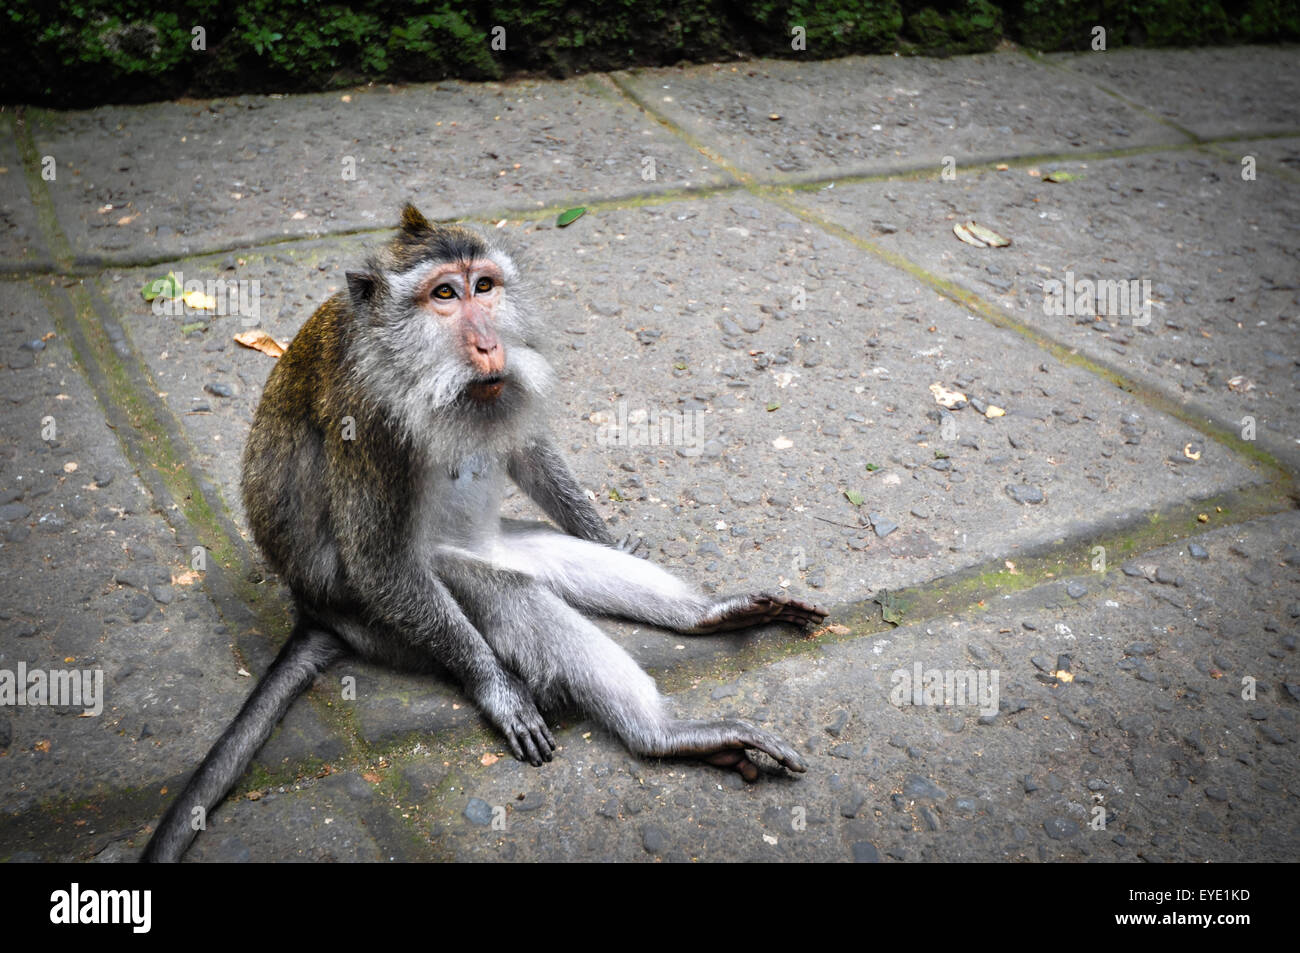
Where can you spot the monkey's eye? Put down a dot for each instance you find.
(483, 285)
(445, 292)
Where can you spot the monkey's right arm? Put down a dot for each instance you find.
(407, 600)
(542, 473)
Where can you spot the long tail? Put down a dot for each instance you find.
(308, 652)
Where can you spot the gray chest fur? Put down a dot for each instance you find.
(460, 503)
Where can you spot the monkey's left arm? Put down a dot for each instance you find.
(542, 473)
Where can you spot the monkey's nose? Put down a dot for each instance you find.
(488, 357)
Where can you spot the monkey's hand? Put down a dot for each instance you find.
(509, 705)
(633, 545)
(751, 736)
(739, 612)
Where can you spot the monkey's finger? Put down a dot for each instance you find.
(517, 751)
(542, 740)
(526, 739)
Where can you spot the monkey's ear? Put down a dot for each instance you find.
(413, 221)
(363, 286)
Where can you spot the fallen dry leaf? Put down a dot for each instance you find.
(489, 759)
(947, 398)
(966, 235)
(259, 340)
(987, 235)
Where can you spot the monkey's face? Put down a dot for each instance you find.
(466, 298)
(445, 341)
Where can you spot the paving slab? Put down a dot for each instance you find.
(1218, 255)
(687, 309)
(21, 243)
(168, 179)
(92, 580)
(319, 820)
(1121, 733)
(1281, 153)
(1211, 92)
(863, 115)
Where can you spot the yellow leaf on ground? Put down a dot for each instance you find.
(200, 301)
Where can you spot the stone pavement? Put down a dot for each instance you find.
(769, 255)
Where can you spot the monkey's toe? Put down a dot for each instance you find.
(634, 545)
(753, 737)
(736, 759)
(803, 614)
(760, 609)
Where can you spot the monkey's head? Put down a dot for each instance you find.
(445, 336)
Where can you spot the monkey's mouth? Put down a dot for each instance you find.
(486, 388)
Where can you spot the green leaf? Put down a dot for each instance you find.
(570, 216)
(616, 496)
(680, 367)
(891, 607)
(161, 288)
(873, 467)
(196, 326)
(854, 497)
(773, 406)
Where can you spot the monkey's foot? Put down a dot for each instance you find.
(746, 736)
(740, 612)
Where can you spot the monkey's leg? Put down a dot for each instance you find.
(308, 652)
(561, 654)
(606, 581)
